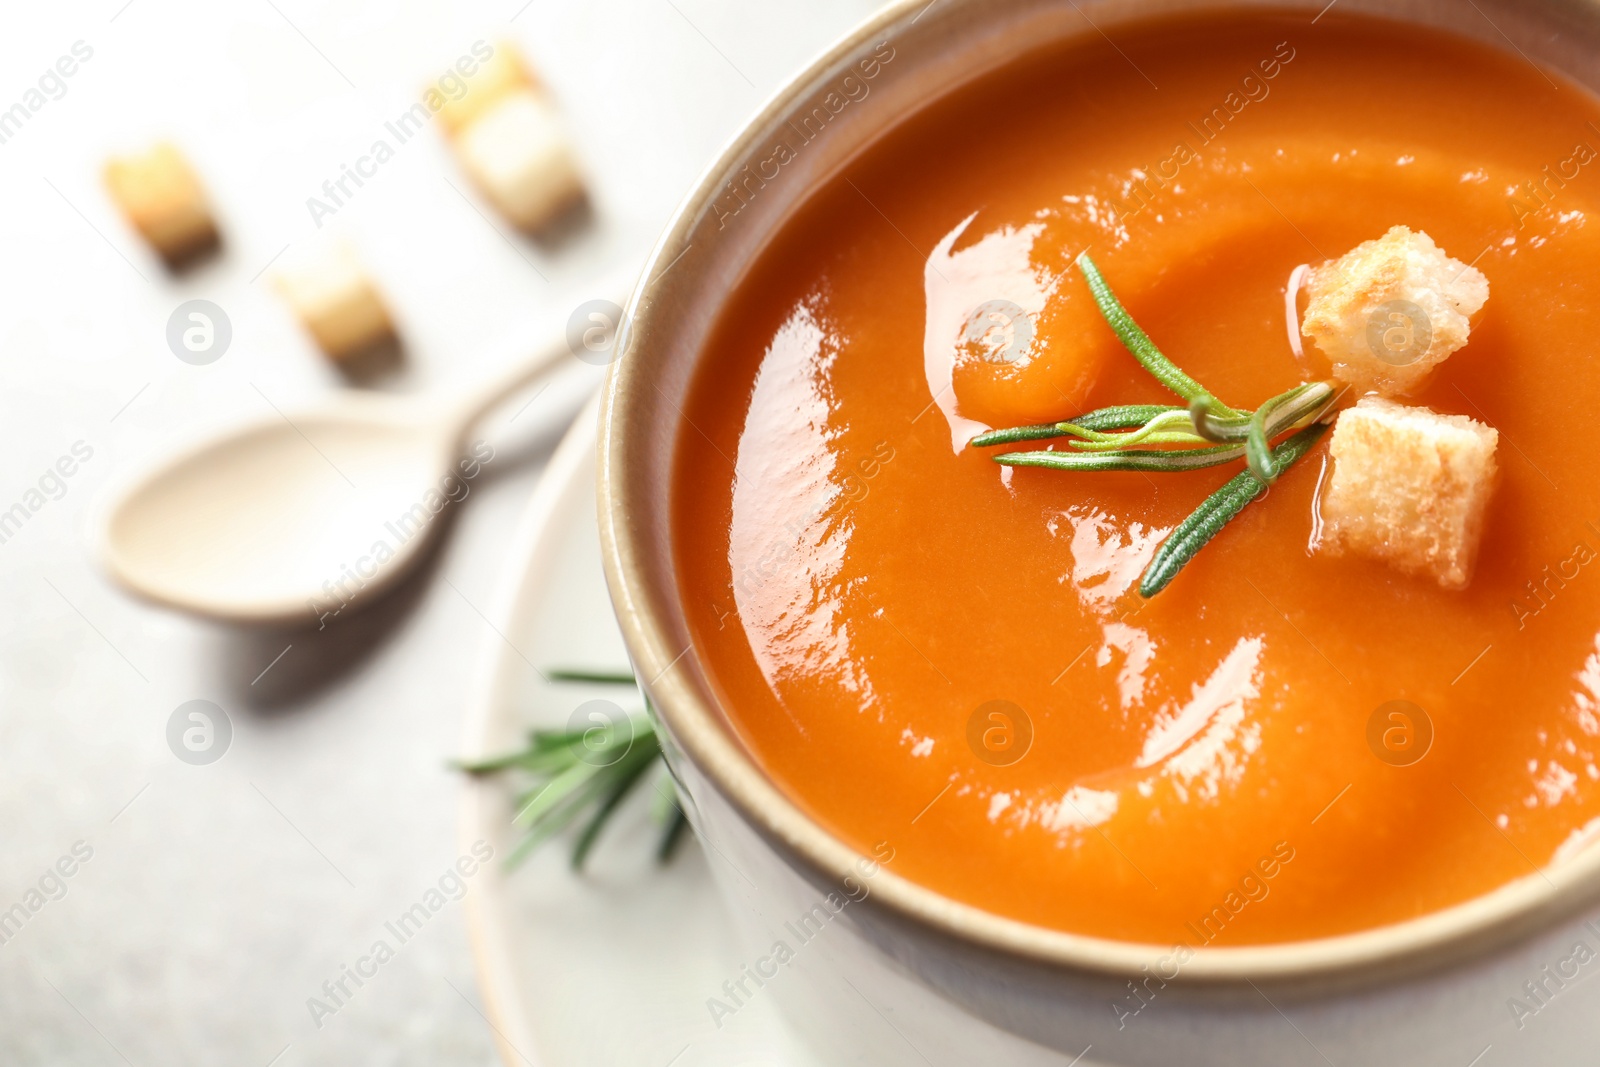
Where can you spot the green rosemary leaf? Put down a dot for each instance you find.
(535, 837)
(554, 740)
(1138, 342)
(548, 751)
(578, 674)
(1122, 416)
(1169, 427)
(1217, 510)
(1012, 434)
(677, 823)
(1215, 427)
(557, 819)
(629, 770)
(1092, 424)
(1299, 406)
(1257, 452)
(1121, 441)
(1282, 412)
(530, 760)
(568, 787)
(590, 800)
(490, 766)
(1152, 461)
(578, 782)
(559, 789)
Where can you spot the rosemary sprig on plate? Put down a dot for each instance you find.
(1169, 438)
(584, 775)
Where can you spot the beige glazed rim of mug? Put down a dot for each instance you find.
(635, 428)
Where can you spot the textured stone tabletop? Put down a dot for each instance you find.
(171, 913)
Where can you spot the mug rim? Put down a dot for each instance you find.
(1465, 928)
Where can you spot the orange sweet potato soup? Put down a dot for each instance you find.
(922, 646)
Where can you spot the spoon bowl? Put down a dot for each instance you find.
(284, 521)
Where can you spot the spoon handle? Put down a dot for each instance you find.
(549, 353)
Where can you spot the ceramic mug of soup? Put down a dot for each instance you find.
(975, 797)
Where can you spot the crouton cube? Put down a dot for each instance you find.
(337, 302)
(518, 155)
(1389, 311)
(502, 74)
(161, 197)
(1409, 487)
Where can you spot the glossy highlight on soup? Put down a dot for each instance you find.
(924, 648)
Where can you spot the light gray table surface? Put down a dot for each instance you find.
(217, 899)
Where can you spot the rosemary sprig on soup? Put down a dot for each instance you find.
(1393, 283)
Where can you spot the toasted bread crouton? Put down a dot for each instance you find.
(1409, 487)
(336, 302)
(1389, 311)
(510, 140)
(160, 195)
(517, 153)
(503, 73)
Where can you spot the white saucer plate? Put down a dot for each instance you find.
(614, 965)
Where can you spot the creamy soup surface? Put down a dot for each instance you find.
(893, 619)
